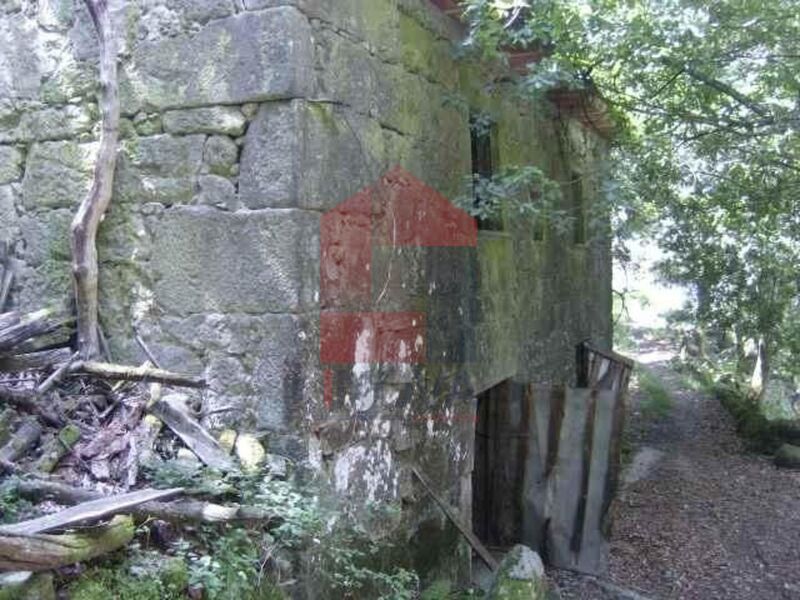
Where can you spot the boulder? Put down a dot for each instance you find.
(788, 457)
(520, 577)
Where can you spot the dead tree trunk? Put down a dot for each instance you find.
(94, 205)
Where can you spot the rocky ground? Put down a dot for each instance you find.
(699, 516)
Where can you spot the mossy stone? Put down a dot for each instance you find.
(788, 457)
(519, 577)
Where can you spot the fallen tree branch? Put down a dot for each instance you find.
(88, 511)
(58, 448)
(466, 531)
(175, 511)
(20, 552)
(143, 373)
(23, 439)
(56, 376)
(25, 400)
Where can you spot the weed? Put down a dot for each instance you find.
(230, 569)
(124, 580)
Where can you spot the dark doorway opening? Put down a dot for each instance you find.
(500, 449)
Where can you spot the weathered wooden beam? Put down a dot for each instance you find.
(88, 512)
(24, 552)
(473, 540)
(192, 434)
(29, 326)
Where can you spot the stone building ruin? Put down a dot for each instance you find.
(246, 123)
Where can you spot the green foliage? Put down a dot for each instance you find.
(12, 506)
(516, 191)
(707, 155)
(119, 581)
(656, 401)
(195, 477)
(229, 566)
(338, 549)
(718, 380)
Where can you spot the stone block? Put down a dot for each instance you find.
(248, 57)
(46, 237)
(348, 73)
(57, 174)
(49, 124)
(148, 124)
(210, 261)
(374, 23)
(26, 60)
(159, 168)
(217, 191)
(220, 155)
(281, 370)
(422, 52)
(226, 120)
(308, 154)
(10, 164)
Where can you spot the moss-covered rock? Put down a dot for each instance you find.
(520, 577)
(788, 457)
(762, 434)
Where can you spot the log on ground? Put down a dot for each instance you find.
(88, 512)
(43, 552)
(175, 511)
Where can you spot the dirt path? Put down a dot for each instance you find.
(705, 519)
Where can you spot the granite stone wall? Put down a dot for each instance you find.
(244, 121)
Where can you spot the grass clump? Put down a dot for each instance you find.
(656, 401)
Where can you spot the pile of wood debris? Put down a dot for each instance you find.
(77, 434)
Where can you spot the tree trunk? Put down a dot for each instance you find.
(90, 213)
(760, 378)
